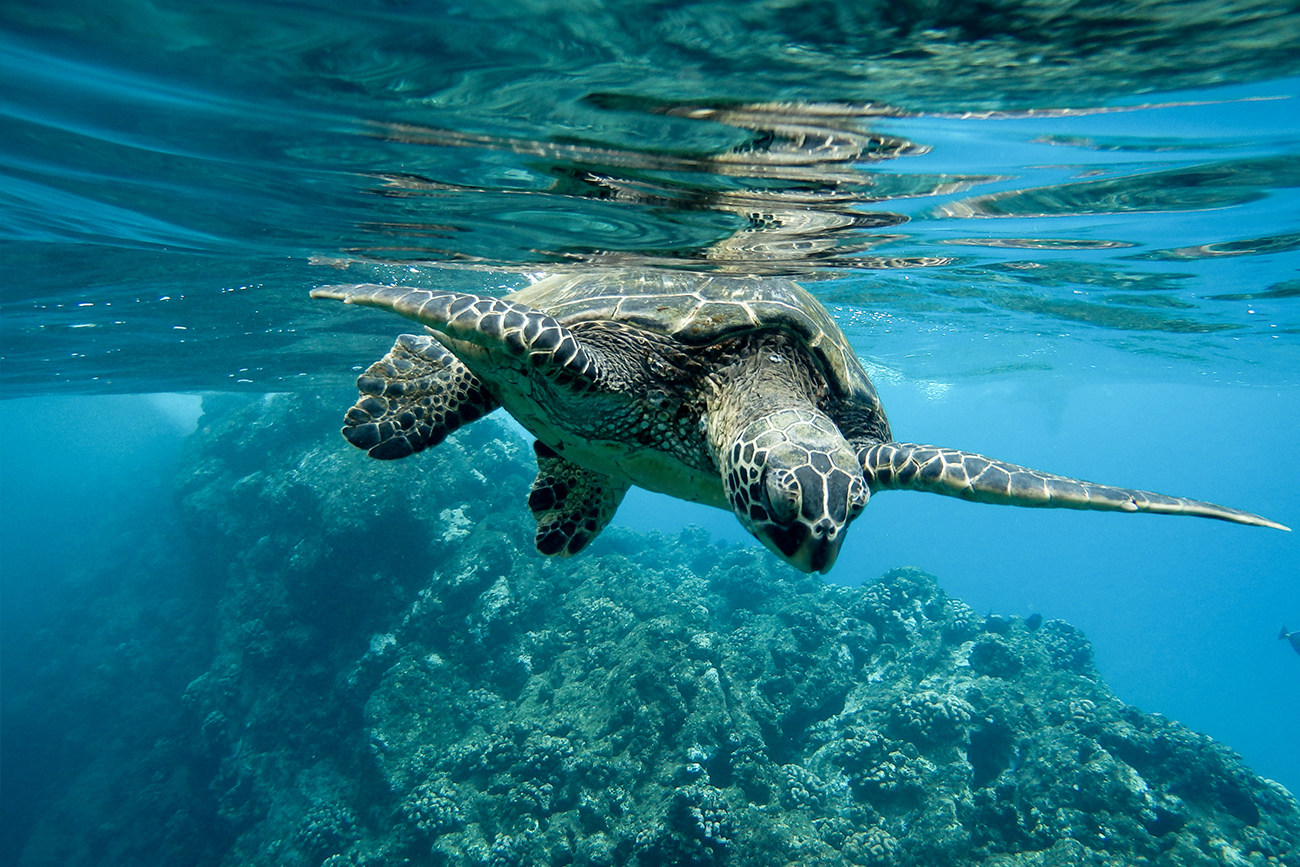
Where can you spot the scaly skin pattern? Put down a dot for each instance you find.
(571, 504)
(412, 398)
(906, 466)
(492, 323)
(790, 476)
(794, 483)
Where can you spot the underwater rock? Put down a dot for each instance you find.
(396, 677)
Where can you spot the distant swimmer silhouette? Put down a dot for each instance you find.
(1293, 637)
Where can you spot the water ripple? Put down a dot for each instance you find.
(1007, 169)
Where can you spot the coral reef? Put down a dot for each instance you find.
(395, 677)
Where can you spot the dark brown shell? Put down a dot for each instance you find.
(700, 309)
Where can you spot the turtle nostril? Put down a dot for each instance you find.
(823, 529)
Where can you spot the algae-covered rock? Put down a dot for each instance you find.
(396, 677)
(795, 723)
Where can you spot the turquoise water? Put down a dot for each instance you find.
(1067, 236)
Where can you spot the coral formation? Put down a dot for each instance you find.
(395, 677)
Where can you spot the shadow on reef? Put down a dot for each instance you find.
(388, 674)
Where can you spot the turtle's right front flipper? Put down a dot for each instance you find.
(906, 466)
(412, 398)
(483, 320)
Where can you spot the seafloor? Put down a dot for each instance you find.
(341, 661)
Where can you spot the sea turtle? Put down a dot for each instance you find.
(738, 392)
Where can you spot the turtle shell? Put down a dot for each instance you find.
(701, 309)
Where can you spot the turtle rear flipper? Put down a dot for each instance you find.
(572, 504)
(412, 398)
(906, 466)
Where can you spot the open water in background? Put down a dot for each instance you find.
(1063, 234)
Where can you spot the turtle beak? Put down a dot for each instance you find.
(821, 556)
(808, 550)
(823, 546)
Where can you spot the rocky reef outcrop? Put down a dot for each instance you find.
(392, 675)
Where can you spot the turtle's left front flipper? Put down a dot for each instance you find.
(906, 466)
(412, 398)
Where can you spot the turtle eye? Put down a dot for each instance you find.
(857, 497)
(783, 500)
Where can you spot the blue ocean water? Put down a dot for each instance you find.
(1066, 236)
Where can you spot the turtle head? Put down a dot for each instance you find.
(795, 483)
